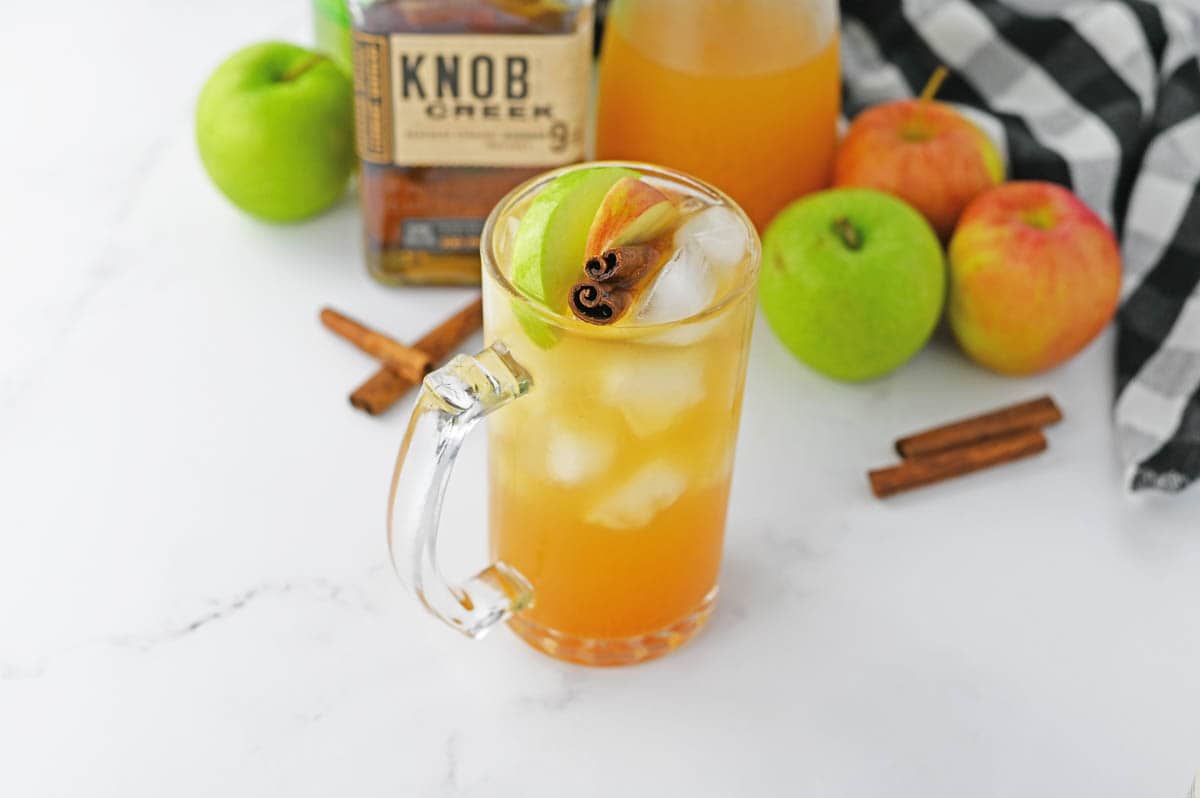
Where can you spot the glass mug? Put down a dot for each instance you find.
(743, 94)
(610, 453)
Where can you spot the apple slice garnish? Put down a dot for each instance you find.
(549, 242)
(632, 212)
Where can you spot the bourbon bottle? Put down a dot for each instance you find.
(456, 102)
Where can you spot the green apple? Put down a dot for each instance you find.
(551, 239)
(549, 247)
(275, 129)
(852, 282)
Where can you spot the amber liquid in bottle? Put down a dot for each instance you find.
(423, 219)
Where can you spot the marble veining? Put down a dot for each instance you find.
(215, 611)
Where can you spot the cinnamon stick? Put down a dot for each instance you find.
(386, 386)
(1033, 414)
(597, 303)
(625, 265)
(443, 339)
(381, 391)
(397, 375)
(408, 361)
(615, 278)
(915, 472)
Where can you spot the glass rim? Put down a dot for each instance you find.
(521, 192)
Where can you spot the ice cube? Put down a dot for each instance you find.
(574, 456)
(652, 388)
(685, 334)
(715, 461)
(683, 287)
(719, 234)
(634, 503)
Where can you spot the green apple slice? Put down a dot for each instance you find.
(548, 248)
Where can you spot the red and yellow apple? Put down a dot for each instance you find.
(1034, 276)
(631, 212)
(923, 152)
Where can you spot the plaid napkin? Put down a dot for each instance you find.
(1103, 97)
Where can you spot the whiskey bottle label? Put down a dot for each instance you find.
(472, 100)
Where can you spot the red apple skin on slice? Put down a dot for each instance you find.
(632, 212)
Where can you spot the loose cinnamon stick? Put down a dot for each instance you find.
(381, 391)
(929, 469)
(398, 375)
(445, 338)
(1033, 414)
(386, 386)
(409, 361)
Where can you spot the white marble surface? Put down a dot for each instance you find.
(193, 594)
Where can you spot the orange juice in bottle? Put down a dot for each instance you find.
(745, 95)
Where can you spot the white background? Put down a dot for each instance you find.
(194, 599)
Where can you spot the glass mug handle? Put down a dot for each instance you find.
(452, 400)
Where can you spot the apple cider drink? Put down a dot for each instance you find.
(627, 294)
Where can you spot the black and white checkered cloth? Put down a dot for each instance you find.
(1102, 96)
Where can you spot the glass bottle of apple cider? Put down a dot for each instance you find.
(456, 102)
(744, 95)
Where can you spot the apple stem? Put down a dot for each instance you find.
(934, 83)
(848, 233)
(302, 67)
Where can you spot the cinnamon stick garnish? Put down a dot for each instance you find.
(915, 472)
(597, 303)
(397, 374)
(1033, 414)
(623, 265)
(615, 279)
(409, 361)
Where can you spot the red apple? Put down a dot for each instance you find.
(631, 212)
(923, 152)
(1034, 276)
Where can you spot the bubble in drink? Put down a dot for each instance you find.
(634, 503)
(720, 235)
(683, 287)
(653, 388)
